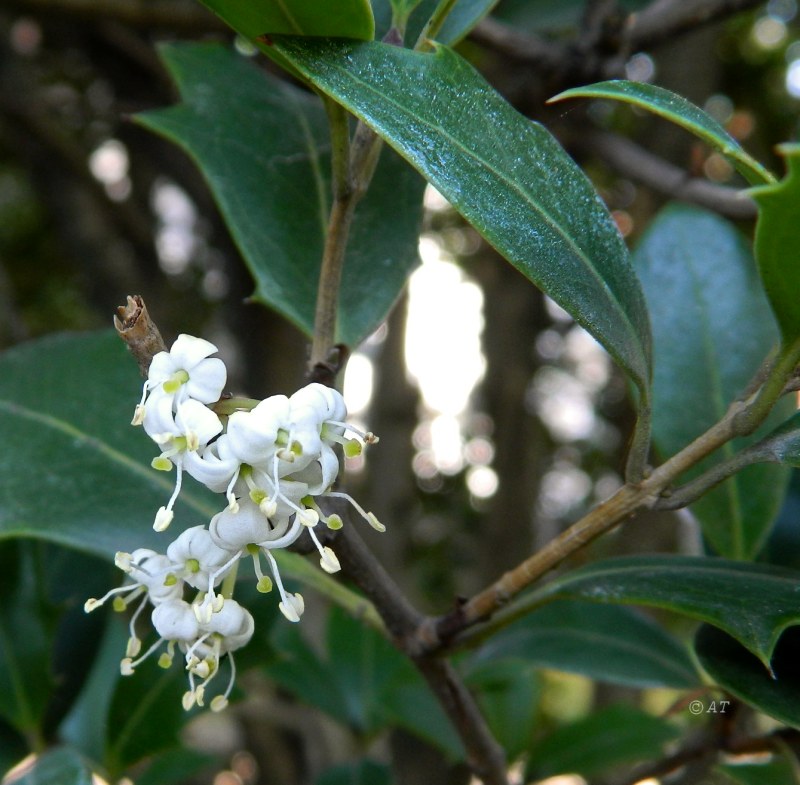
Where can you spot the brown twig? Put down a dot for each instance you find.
(663, 19)
(185, 16)
(742, 418)
(659, 21)
(139, 331)
(402, 620)
(711, 746)
(630, 160)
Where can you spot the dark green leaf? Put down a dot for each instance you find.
(273, 187)
(464, 16)
(707, 292)
(508, 692)
(777, 243)
(550, 17)
(755, 603)
(678, 110)
(122, 720)
(60, 766)
(297, 668)
(13, 748)
(175, 766)
(783, 444)
(504, 173)
(363, 681)
(365, 772)
(86, 726)
(252, 18)
(775, 692)
(610, 644)
(26, 629)
(604, 740)
(79, 474)
(775, 772)
(146, 715)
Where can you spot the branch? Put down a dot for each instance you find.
(181, 15)
(402, 620)
(630, 160)
(522, 47)
(663, 19)
(742, 418)
(776, 742)
(484, 754)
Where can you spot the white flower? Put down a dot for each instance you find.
(215, 465)
(195, 557)
(192, 427)
(248, 531)
(151, 577)
(185, 371)
(254, 434)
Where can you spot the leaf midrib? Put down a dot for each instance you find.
(102, 447)
(547, 218)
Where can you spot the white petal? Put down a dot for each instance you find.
(207, 380)
(175, 621)
(188, 351)
(235, 530)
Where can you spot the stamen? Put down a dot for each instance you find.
(264, 582)
(328, 560)
(165, 515)
(367, 436)
(221, 701)
(138, 414)
(132, 664)
(369, 517)
(233, 505)
(286, 605)
(134, 644)
(93, 603)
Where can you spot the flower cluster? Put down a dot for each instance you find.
(274, 461)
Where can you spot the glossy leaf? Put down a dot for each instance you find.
(752, 602)
(79, 474)
(150, 693)
(777, 243)
(778, 771)
(505, 174)
(273, 188)
(362, 681)
(706, 292)
(178, 765)
(678, 110)
(112, 719)
(26, 632)
(550, 17)
(252, 18)
(464, 15)
(609, 738)
(610, 644)
(86, 725)
(13, 748)
(508, 692)
(58, 766)
(783, 444)
(365, 772)
(775, 692)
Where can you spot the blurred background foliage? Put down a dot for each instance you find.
(500, 420)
